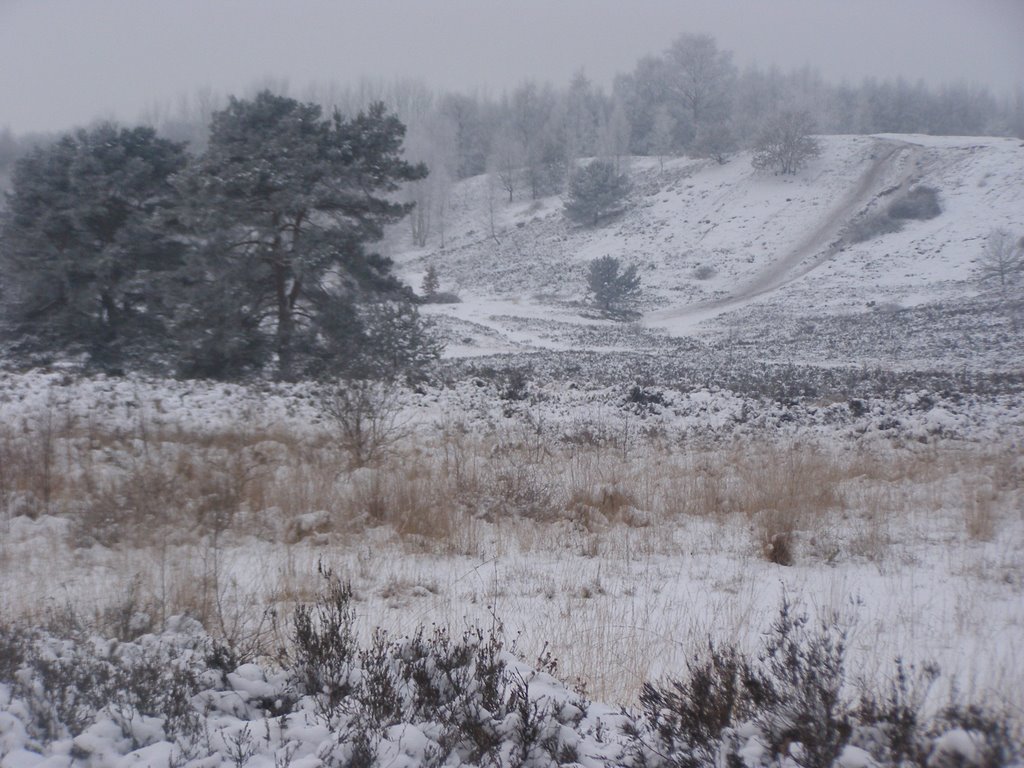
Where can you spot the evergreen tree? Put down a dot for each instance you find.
(83, 247)
(292, 199)
(431, 282)
(596, 191)
(609, 286)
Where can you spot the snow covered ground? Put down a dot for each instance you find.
(611, 490)
(704, 235)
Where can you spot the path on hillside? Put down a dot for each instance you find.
(819, 246)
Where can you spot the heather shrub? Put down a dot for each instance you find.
(919, 203)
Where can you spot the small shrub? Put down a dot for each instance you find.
(704, 272)
(610, 285)
(790, 692)
(368, 417)
(324, 647)
(797, 688)
(431, 282)
(690, 715)
(920, 203)
(66, 682)
(892, 726)
(871, 226)
(514, 384)
(442, 297)
(644, 400)
(994, 738)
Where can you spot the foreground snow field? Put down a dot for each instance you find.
(837, 424)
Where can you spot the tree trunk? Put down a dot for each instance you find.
(285, 323)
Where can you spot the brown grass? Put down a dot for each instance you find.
(147, 486)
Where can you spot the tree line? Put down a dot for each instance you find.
(690, 98)
(119, 246)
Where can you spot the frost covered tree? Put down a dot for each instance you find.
(700, 80)
(615, 134)
(582, 118)
(662, 135)
(596, 191)
(714, 140)
(432, 143)
(1002, 261)
(506, 160)
(784, 144)
(610, 285)
(291, 199)
(534, 116)
(84, 246)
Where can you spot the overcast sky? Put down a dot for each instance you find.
(67, 62)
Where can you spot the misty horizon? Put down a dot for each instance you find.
(65, 64)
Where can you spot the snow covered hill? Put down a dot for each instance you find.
(726, 252)
(798, 412)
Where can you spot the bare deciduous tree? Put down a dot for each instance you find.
(701, 79)
(785, 144)
(506, 160)
(1002, 261)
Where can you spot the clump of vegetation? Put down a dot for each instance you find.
(704, 272)
(596, 192)
(645, 400)
(919, 203)
(785, 144)
(431, 289)
(611, 286)
(470, 699)
(871, 226)
(794, 696)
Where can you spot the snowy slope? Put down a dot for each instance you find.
(719, 246)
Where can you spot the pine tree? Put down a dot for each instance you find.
(431, 282)
(295, 198)
(84, 246)
(610, 287)
(596, 192)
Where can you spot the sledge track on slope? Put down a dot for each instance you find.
(818, 247)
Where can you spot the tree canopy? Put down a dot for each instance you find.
(254, 254)
(291, 199)
(82, 242)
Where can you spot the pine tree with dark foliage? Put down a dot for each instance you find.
(84, 247)
(610, 287)
(294, 199)
(596, 192)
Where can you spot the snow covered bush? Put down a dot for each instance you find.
(784, 144)
(610, 285)
(920, 203)
(871, 226)
(792, 705)
(433, 698)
